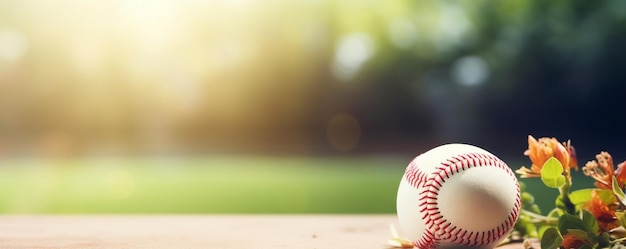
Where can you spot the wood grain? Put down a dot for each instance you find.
(197, 231)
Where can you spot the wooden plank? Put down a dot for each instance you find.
(196, 231)
(240, 231)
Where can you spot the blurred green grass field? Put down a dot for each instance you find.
(201, 185)
(214, 185)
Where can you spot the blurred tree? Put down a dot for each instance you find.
(270, 76)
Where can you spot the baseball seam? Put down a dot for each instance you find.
(438, 227)
(415, 176)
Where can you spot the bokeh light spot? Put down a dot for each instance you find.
(344, 132)
(12, 45)
(470, 71)
(351, 52)
(454, 28)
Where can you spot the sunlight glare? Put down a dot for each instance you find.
(351, 52)
(13, 45)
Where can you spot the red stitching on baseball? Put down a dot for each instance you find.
(444, 229)
(414, 176)
(427, 241)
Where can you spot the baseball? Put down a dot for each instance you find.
(457, 196)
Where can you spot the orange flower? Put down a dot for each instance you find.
(601, 170)
(605, 216)
(571, 241)
(541, 150)
(620, 174)
(573, 162)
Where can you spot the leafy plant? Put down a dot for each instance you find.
(585, 218)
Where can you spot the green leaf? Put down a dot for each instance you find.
(568, 221)
(542, 230)
(606, 195)
(604, 240)
(581, 196)
(589, 221)
(527, 199)
(551, 239)
(534, 208)
(552, 173)
(556, 213)
(530, 230)
(618, 191)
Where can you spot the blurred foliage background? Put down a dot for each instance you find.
(128, 86)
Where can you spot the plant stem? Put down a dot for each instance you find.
(564, 193)
(538, 218)
(564, 190)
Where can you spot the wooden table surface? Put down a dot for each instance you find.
(196, 231)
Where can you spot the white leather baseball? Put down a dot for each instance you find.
(457, 195)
